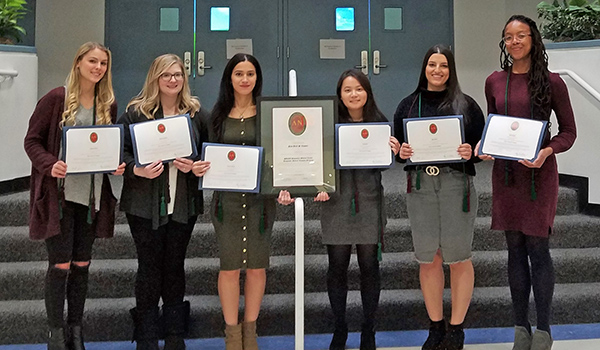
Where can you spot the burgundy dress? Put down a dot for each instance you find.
(512, 205)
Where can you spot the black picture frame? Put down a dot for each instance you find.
(266, 106)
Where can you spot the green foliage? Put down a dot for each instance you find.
(10, 12)
(570, 20)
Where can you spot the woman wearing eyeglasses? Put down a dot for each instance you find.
(162, 202)
(525, 193)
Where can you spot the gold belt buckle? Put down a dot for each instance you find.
(432, 170)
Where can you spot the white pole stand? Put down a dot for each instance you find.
(299, 266)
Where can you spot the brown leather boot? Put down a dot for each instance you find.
(249, 335)
(233, 337)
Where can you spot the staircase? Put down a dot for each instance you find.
(575, 249)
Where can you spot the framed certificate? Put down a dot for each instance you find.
(297, 134)
(434, 139)
(92, 149)
(163, 139)
(512, 138)
(232, 167)
(363, 145)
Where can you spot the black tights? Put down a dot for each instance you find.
(522, 250)
(337, 281)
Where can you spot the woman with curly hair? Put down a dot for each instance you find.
(162, 203)
(70, 211)
(525, 193)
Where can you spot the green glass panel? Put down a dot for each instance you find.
(169, 19)
(392, 18)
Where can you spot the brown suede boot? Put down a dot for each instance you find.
(233, 337)
(249, 335)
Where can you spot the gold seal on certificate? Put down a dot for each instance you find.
(92, 149)
(434, 139)
(162, 139)
(512, 138)
(232, 167)
(363, 145)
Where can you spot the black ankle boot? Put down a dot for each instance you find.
(455, 337)
(145, 332)
(437, 332)
(340, 335)
(75, 338)
(175, 324)
(367, 337)
(56, 339)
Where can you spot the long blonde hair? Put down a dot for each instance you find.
(105, 95)
(147, 101)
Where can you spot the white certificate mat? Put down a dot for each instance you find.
(297, 146)
(512, 138)
(363, 145)
(434, 139)
(92, 149)
(162, 139)
(232, 167)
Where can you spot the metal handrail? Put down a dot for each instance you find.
(579, 80)
(10, 73)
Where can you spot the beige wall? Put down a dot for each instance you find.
(477, 29)
(61, 27)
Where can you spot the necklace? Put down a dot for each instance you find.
(241, 116)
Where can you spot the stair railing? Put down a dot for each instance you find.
(579, 80)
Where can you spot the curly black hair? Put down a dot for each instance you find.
(538, 76)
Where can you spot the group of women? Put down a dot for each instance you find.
(162, 200)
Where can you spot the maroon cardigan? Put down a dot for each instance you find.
(42, 144)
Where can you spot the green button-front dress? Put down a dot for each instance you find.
(241, 243)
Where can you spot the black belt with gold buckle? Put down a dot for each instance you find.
(432, 170)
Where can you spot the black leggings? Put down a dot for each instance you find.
(337, 281)
(161, 259)
(522, 250)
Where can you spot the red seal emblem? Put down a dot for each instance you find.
(433, 128)
(161, 128)
(297, 123)
(364, 133)
(94, 137)
(514, 126)
(231, 155)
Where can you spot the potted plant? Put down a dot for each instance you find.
(570, 20)
(10, 12)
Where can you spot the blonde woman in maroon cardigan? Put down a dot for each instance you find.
(70, 211)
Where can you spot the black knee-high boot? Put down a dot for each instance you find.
(176, 319)
(77, 287)
(146, 328)
(54, 295)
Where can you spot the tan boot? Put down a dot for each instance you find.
(233, 337)
(249, 335)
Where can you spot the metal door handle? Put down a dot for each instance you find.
(377, 62)
(202, 63)
(364, 62)
(187, 62)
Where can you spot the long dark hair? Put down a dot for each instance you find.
(455, 101)
(226, 99)
(538, 77)
(371, 112)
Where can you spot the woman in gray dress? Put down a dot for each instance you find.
(355, 215)
(243, 221)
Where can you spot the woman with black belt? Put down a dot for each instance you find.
(441, 199)
(162, 203)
